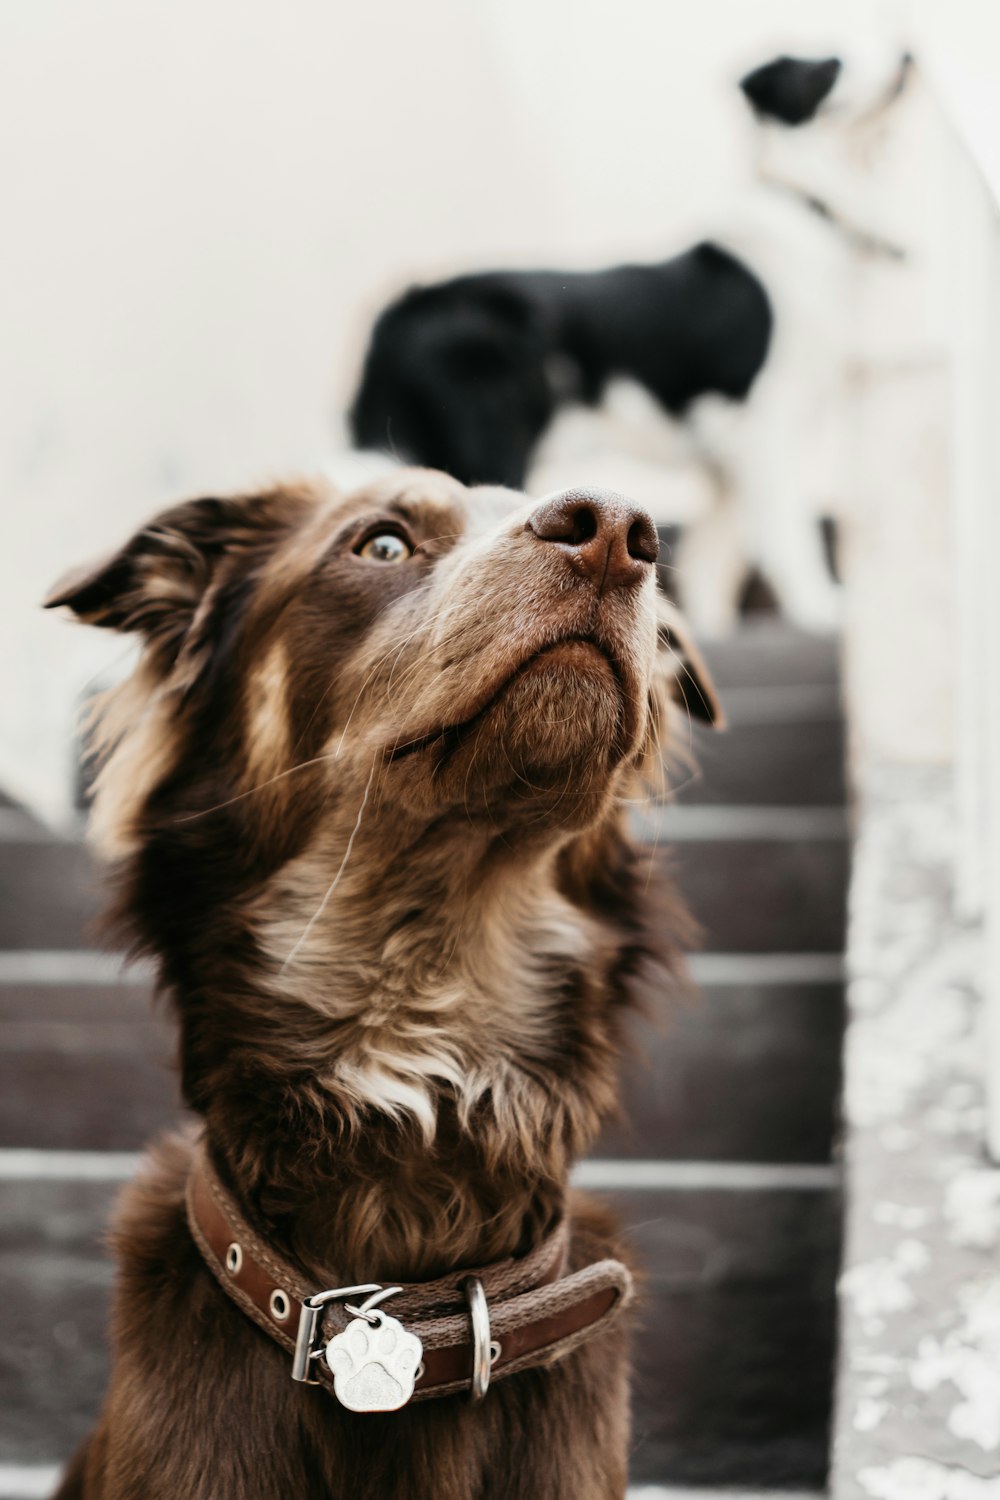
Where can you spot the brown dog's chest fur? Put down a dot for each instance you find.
(365, 800)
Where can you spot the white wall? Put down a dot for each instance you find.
(204, 200)
(196, 195)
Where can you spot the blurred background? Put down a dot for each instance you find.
(205, 206)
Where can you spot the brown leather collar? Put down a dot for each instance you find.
(531, 1314)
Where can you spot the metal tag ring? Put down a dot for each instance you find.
(367, 1310)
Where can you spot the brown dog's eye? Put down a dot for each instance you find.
(386, 547)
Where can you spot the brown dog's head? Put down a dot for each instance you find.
(371, 768)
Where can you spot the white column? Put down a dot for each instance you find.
(990, 686)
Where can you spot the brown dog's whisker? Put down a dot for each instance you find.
(317, 760)
(336, 879)
(394, 650)
(444, 536)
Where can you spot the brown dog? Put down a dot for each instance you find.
(364, 795)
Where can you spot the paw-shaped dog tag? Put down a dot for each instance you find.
(374, 1364)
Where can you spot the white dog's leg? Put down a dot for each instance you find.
(763, 448)
(711, 567)
(784, 539)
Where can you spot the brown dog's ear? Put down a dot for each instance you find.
(161, 572)
(155, 583)
(690, 682)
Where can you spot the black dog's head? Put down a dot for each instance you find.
(455, 378)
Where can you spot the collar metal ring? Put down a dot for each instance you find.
(479, 1317)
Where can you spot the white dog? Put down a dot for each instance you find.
(713, 387)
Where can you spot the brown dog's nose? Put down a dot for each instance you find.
(612, 541)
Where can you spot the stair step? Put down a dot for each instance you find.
(49, 895)
(53, 1317)
(766, 764)
(770, 653)
(38, 1482)
(20, 826)
(737, 1394)
(95, 1099)
(735, 1359)
(670, 823)
(749, 895)
(762, 896)
(74, 999)
(737, 1072)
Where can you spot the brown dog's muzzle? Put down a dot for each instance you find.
(610, 540)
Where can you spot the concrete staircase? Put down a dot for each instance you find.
(724, 1172)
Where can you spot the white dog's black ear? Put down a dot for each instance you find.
(790, 89)
(688, 679)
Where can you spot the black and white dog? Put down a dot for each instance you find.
(734, 352)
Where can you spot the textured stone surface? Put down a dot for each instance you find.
(919, 1388)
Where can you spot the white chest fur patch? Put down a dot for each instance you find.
(456, 996)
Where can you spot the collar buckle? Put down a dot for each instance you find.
(310, 1313)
